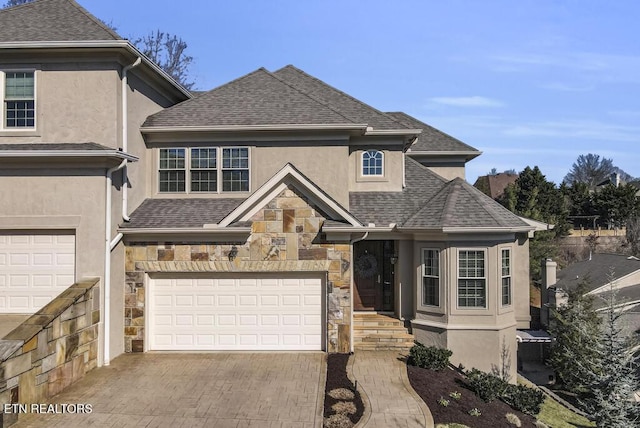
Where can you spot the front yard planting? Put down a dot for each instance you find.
(343, 406)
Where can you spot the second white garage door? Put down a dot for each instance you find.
(265, 313)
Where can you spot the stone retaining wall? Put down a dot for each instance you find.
(52, 349)
(285, 237)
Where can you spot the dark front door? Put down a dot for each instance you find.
(373, 276)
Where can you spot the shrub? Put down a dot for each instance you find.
(486, 386)
(429, 357)
(443, 402)
(344, 407)
(523, 398)
(338, 421)
(341, 394)
(455, 395)
(513, 419)
(475, 412)
(540, 424)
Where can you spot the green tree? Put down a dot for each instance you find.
(615, 205)
(533, 196)
(613, 381)
(633, 235)
(575, 327)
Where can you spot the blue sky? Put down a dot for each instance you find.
(528, 82)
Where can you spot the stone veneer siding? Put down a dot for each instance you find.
(285, 237)
(52, 349)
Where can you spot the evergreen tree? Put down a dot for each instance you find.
(534, 197)
(614, 381)
(10, 3)
(575, 327)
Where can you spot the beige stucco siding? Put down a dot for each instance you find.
(521, 296)
(449, 172)
(326, 166)
(75, 103)
(391, 181)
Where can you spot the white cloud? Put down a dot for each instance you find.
(566, 87)
(474, 101)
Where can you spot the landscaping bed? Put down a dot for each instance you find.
(343, 406)
(433, 386)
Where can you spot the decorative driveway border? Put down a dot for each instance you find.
(284, 390)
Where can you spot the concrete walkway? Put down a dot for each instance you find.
(388, 396)
(266, 390)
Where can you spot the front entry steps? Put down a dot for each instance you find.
(377, 332)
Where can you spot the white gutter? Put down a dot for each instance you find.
(125, 137)
(234, 128)
(372, 131)
(107, 262)
(353, 241)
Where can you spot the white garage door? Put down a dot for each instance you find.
(235, 313)
(34, 268)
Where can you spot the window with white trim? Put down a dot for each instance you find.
(372, 163)
(430, 277)
(505, 273)
(19, 108)
(235, 169)
(472, 281)
(172, 170)
(202, 169)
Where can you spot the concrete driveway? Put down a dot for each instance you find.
(197, 390)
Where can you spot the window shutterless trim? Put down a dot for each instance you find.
(362, 167)
(3, 100)
(508, 276)
(424, 275)
(219, 170)
(472, 278)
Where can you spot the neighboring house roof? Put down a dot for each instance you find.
(51, 20)
(350, 107)
(431, 138)
(623, 295)
(598, 270)
(258, 98)
(494, 185)
(460, 205)
(180, 213)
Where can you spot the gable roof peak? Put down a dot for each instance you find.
(52, 21)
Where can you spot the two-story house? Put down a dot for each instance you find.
(271, 213)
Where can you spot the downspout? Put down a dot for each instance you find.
(353, 241)
(125, 137)
(108, 246)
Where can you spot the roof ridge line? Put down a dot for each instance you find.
(485, 201)
(310, 96)
(426, 125)
(425, 203)
(96, 20)
(297, 70)
(237, 79)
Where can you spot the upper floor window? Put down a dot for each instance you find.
(472, 281)
(19, 99)
(430, 277)
(202, 169)
(506, 276)
(372, 163)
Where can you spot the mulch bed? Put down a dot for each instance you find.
(337, 378)
(431, 385)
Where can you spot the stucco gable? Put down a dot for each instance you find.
(289, 178)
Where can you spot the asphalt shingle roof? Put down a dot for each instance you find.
(597, 270)
(431, 138)
(459, 204)
(383, 208)
(258, 98)
(180, 213)
(347, 105)
(51, 20)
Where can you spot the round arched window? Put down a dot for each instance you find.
(372, 161)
